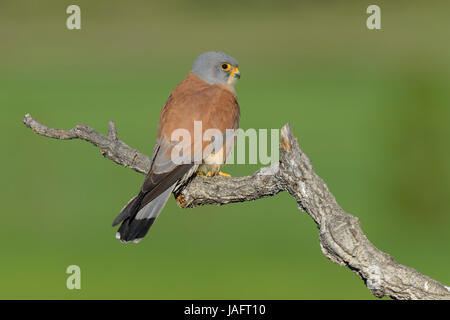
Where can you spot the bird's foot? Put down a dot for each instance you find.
(223, 174)
(212, 174)
(201, 173)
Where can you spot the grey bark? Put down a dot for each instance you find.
(341, 238)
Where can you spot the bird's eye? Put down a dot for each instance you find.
(226, 66)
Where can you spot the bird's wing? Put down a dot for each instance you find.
(163, 174)
(140, 213)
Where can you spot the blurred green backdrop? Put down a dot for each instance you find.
(370, 108)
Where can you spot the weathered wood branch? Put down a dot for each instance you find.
(341, 238)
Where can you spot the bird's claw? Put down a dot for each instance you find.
(223, 174)
(212, 174)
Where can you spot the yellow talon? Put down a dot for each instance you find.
(223, 174)
(212, 174)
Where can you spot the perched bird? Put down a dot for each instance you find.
(206, 94)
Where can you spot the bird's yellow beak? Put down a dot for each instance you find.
(235, 73)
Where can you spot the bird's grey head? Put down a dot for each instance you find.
(216, 67)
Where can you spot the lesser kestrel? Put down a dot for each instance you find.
(205, 96)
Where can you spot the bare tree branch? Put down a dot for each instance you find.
(341, 238)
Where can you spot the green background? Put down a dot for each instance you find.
(370, 108)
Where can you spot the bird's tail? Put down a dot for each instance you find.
(137, 220)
